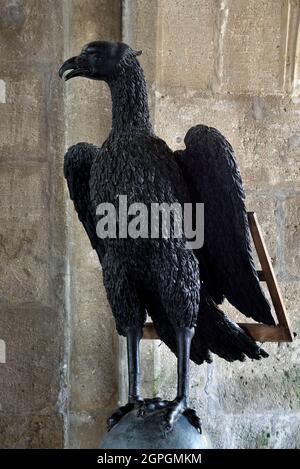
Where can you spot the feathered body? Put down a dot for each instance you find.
(176, 286)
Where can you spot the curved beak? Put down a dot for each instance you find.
(76, 65)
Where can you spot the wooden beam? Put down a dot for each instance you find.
(258, 332)
(269, 275)
(265, 333)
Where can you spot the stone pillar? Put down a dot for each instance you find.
(91, 366)
(32, 225)
(59, 382)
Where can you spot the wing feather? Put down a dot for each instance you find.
(211, 172)
(77, 168)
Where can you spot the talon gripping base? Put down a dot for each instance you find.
(146, 432)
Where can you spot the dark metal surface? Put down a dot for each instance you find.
(145, 432)
(161, 276)
(143, 274)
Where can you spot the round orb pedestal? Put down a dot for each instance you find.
(145, 432)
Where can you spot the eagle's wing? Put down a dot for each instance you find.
(211, 173)
(77, 167)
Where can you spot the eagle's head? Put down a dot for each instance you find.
(98, 60)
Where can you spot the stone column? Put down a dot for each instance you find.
(91, 367)
(32, 225)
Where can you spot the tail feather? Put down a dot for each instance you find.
(215, 333)
(219, 334)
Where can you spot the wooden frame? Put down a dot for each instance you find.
(259, 332)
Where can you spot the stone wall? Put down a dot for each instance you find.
(91, 344)
(231, 64)
(59, 382)
(32, 223)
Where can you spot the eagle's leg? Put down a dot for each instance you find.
(179, 406)
(134, 399)
(133, 355)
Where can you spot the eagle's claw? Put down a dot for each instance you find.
(173, 411)
(193, 418)
(121, 411)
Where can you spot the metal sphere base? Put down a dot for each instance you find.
(146, 432)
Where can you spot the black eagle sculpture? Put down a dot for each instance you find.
(178, 287)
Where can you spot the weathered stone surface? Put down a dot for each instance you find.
(149, 378)
(31, 431)
(24, 263)
(31, 30)
(30, 378)
(23, 119)
(19, 203)
(31, 118)
(261, 145)
(252, 46)
(292, 236)
(142, 34)
(86, 429)
(267, 211)
(92, 20)
(93, 347)
(94, 372)
(266, 430)
(269, 157)
(32, 233)
(251, 404)
(274, 382)
(291, 292)
(177, 112)
(186, 49)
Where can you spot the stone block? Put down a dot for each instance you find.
(186, 47)
(177, 112)
(31, 118)
(291, 240)
(31, 30)
(94, 369)
(31, 431)
(25, 266)
(291, 292)
(274, 382)
(24, 192)
(262, 431)
(94, 345)
(149, 377)
(93, 20)
(30, 379)
(141, 21)
(23, 116)
(253, 62)
(266, 209)
(267, 133)
(258, 129)
(86, 430)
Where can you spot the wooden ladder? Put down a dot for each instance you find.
(259, 332)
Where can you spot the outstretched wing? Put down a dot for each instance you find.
(77, 168)
(211, 173)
